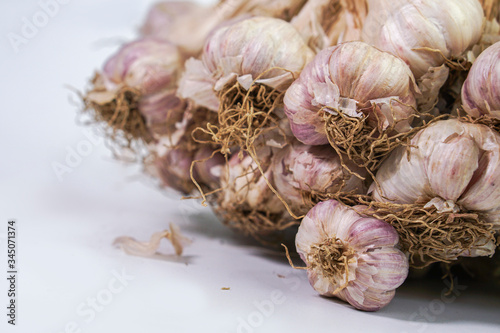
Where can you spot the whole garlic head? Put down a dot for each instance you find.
(351, 257)
(299, 170)
(136, 90)
(451, 165)
(481, 89)
(248, 50)
(356, 79)
(446, 28)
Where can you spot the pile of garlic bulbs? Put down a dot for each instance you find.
(372, 125)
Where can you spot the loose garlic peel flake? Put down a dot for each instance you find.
(147, 249)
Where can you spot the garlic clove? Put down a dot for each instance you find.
(480, 91)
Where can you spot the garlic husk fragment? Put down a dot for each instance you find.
(304, 175)
(451, 169)
(246, 202)
(135, 93)
(481, 89)
(244, 52)
(351, 257)
(424, 33)
(147, 249)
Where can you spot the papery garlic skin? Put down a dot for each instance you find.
(451, 165)
(404, 27)
(374, 264)
(245, 51)
(481, 89)
(354, 78)
(300, 169)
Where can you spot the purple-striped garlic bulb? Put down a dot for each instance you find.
(246, 51)
(424, 33)
(451, 168)
(481, 89)
(351, 257)
(356, 80)
(136, 90)
(306, 174)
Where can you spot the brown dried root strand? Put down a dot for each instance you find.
(491, 122)
(332, 258)
(122, 115)
(364, 145)
(254, 223)
(458, 64)
(243, 116)
(426, 235)
(147, 249)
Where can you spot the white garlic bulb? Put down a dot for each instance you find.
(248, 50)
(300, 170)
(453, 169)
(351, 257)
(424, 33)
(356, 79)
(481, 89)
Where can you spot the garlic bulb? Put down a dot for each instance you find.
(172, 169)
(305, 174)
(252, 49)
(164, 16)
(188, 24)
(351, 257)
(453, 169)
(424, 33)
(246, 202)
(323, 23)
(209, 168)
(356, 80)
(481, 89)
(135, 92)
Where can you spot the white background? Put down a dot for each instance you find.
(66, 228)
